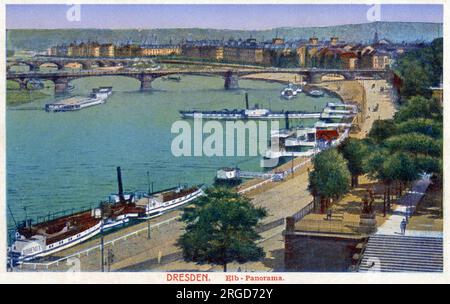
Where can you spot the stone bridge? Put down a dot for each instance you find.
(61, 63)
(61, 78)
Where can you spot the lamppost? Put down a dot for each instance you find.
(292, 165)
(102, 253)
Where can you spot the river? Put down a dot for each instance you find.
(58, 161)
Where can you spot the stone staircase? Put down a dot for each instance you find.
(397, 253)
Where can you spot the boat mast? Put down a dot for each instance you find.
(246, 100)
(286, 118)
(12, 216)
(148, 183)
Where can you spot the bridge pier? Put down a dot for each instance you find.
(315, 78)
(146, 82)
(34, 68)
(22, 84)
(86, 65)
(231, 81)
(61, 85)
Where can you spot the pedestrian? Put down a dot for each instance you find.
(329, 214)
(403, 226)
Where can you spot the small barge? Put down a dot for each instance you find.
(315, 93)
(98, 96)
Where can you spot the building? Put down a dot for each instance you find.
(314, 41)
(243, 54)
(381, 60)
(374, 59)
(203, 50)
(128, 50)
(334, 41)
(329, 58)
(349, 60)
(159, 50)
(313, 48)
(93, 49)
(248, 51)
(301, 55)
(277, 41)
(70, 50)
(107, 50)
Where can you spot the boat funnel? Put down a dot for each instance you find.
(246, 100)
(119, 182)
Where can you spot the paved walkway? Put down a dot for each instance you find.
(406, 207)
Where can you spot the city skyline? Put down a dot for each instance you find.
(216, 16)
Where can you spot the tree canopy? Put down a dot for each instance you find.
(415, 143)
(382, 129)
(402, 167)
(425, 126)
(420, 107)
(354, 151)
(330, 177)
(220, 229)
(421, 69)
(376, 166)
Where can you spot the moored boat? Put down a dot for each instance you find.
(98, 96)
(290, 91)
(158, 203)
(42, 239)
(316, 93)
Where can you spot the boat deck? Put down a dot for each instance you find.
(61, 228)
(71, 100)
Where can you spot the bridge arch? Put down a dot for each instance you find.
(73, 65)
(333, 77)
(58, 65)
(15, 66)
(99, 63)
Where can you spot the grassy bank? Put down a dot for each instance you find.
(16, 97)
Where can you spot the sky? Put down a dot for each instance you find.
(245, 17)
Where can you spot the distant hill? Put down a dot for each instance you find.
(37, 39)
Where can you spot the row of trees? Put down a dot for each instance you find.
(395, 152)
(421, 69)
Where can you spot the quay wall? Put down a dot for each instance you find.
(319, 253)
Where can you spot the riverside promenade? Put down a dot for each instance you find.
(405, 208)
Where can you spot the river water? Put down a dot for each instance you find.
(59, 161)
